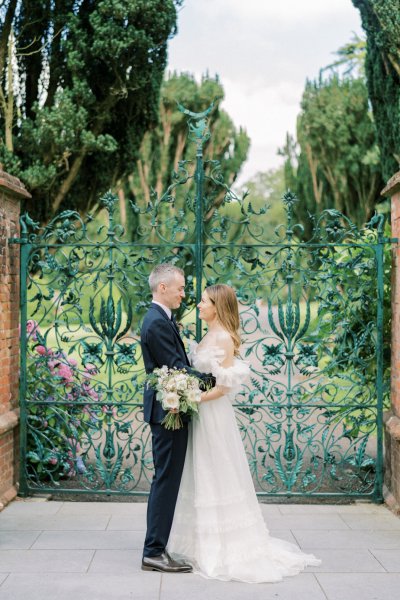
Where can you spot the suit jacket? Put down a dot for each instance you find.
(161, 345)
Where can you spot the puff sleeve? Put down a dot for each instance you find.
(210, 359)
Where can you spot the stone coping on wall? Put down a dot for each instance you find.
(13, 185)
(8, 496)
(392, 423)
(9, 420)
(392, 186)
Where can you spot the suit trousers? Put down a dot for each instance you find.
(169, 450)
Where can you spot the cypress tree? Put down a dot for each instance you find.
(381, 21)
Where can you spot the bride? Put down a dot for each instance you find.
(218, 525)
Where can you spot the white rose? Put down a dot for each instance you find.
(179, 382)
(162, 373)
(181, 385)
(170, 400)
(194, 395)
(180, 377)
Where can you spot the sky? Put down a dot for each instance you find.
(263, 51)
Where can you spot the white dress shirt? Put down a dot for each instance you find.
(165, 308)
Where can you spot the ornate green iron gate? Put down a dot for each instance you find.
(312, 321)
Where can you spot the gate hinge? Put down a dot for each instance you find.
(17, 240)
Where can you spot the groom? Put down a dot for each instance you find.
(162, 345)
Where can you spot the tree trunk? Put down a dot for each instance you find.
(313, 164)
(68, 181)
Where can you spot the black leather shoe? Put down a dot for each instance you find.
(165, 564)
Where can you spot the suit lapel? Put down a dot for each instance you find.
(173, 326)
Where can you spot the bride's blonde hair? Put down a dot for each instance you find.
(224, 299)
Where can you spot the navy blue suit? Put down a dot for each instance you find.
(162, 345)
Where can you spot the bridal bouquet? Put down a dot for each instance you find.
(177, 391)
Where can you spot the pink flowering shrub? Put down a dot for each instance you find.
(61, 410)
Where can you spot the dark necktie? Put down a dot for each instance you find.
(174, 323)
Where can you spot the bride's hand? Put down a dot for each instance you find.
(214, 393)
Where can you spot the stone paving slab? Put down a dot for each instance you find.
(283, 534)
(194, 587)
(347, 539)
(309, 521)
(42, 561)
(10, 540)
(346, 561)
(372, 521)
(117, 562)
(315, 509)
(31, 508)
(79, 550)
(350, 586)
(389, 559)
(67, 586)
(270, 510)
(134, 522)
(54, 522)
(107, 508)
(86, 540)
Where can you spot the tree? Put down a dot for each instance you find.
(165, 146)
(264, 191)
(351, 56)
(158, 204)
(338, 162)
(79, 87)
(381, 21)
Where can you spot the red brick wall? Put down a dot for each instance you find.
(395, 379)
(11, 191)
(392, 417)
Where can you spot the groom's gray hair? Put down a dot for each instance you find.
(163, 273)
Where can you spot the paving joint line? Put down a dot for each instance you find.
(90, 561)
(377, 560)
(108, 523)
(36, 538)
(320, 585)
(8, 575)
(343, 521)
(297, 541)
(60, 507)
(159, 589)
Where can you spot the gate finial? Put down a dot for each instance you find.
(198, 123)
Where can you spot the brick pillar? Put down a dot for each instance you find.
(11, 192)
(392, 416)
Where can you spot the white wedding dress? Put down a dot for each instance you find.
(218, 525)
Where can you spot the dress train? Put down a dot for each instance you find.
(218, 525)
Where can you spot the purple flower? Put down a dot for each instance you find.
(32, 328)
(80, 465)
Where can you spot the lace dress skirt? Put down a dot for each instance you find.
(218, 525)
